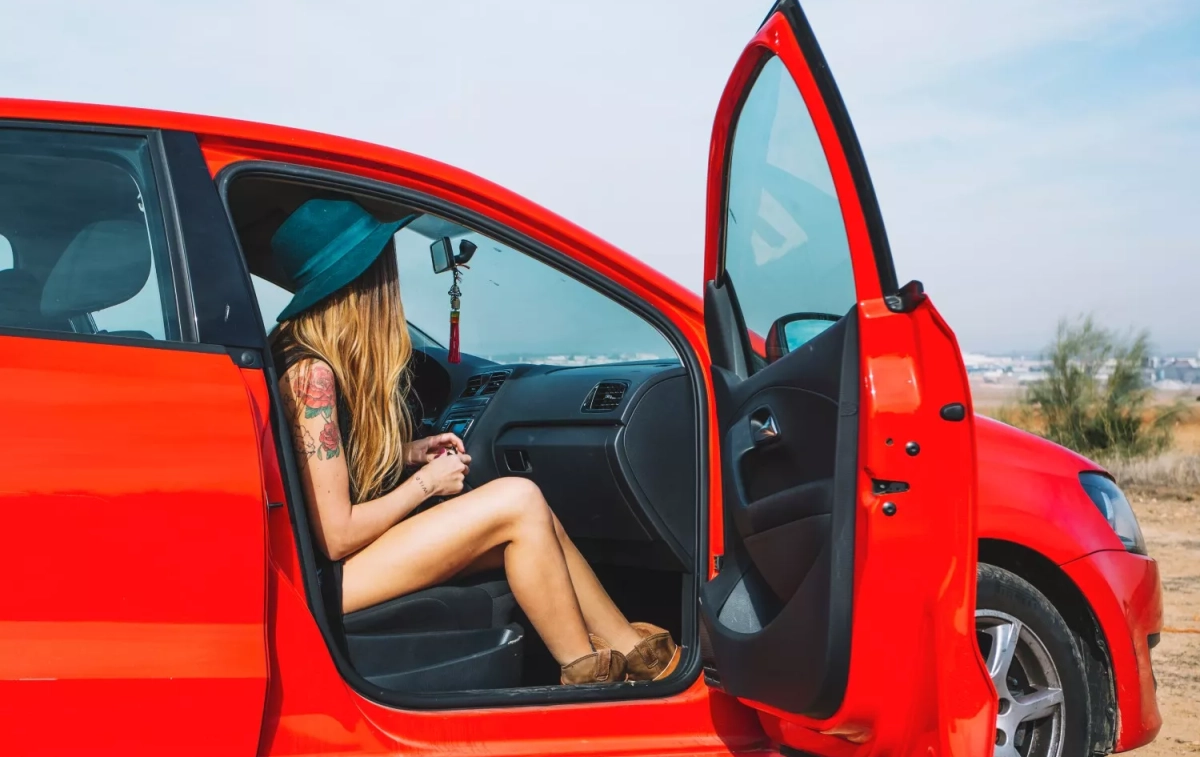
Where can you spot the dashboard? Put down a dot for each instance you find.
(613, 447)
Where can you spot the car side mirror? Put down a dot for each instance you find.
(789, 332)
(441, 252)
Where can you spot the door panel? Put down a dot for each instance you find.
(133, 618)
(841, 607)
(778, 613)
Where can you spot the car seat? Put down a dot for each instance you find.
(20, 300)
(106, 263)
(453, 637)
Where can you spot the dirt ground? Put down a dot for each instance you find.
(1172, 529)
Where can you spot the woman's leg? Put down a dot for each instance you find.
(601, 614)
(435, 545)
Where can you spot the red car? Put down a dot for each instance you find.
(789, 477)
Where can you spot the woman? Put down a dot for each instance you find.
(342, 348)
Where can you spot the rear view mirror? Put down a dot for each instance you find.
(441, 252)
(791, 331)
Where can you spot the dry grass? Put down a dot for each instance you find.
(1170, 474)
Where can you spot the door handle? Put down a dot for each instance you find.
(763, 428)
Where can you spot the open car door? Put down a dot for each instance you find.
(841, 601)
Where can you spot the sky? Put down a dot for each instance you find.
(1033, 160)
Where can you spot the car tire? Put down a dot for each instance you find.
(1036, 667)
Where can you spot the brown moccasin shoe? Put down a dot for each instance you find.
(601, 666)
(655, 657)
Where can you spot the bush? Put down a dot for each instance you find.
(1107, 419)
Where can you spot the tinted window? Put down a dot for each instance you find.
(84, 233)
(785, 242)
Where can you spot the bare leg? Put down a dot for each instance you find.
(434, 545)
(600, 613)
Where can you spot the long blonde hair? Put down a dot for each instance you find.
(361, 333)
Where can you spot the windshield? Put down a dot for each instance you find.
(516, 309)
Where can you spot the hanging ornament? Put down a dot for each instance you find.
(455, 300)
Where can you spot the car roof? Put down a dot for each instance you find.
(215, 129)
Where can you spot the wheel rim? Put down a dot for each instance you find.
(1029, 722)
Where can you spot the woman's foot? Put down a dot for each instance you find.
(601, 666)
(653, 658)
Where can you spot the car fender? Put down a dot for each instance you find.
(1029, 494)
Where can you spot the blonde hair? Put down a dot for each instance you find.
(361, 333)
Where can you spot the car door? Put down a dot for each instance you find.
(841, 598)
(132, 615)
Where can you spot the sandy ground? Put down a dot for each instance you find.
(1172, 529)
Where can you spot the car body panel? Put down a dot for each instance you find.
(937, 697)
(1029, 494)
(148, 460)
(1125, 593)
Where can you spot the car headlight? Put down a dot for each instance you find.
(1116, 510)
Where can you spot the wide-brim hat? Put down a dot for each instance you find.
(326, 244)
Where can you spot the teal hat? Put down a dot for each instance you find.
(326, 244)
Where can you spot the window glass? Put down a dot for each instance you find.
(79, 214)
(786, 249)
(272, 299)
(515, 308)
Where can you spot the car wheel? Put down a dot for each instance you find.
(1035, 666)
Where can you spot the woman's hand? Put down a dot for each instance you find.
(422, 451)
(443, 476)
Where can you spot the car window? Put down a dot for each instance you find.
(79, 213)
(272, 299)
(515, 308)
(785, 246)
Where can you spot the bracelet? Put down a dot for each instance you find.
(420, 483)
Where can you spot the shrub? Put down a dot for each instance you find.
(1107, 419)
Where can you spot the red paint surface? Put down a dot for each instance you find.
(1126, 595)
(1030, 495)
(133, 612)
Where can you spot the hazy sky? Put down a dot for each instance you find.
(1033, 159)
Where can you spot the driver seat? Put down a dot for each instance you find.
(453, 637)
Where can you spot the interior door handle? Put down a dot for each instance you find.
(763, 428)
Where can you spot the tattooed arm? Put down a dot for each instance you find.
(310, 400)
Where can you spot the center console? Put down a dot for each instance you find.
(469, 405)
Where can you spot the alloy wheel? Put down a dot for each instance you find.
(1029, 721)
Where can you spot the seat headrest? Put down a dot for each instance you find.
(19, 297)
(105, 264)
(17, 283)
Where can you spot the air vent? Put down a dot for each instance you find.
(495, 381)
(474, 384)
(605, 396)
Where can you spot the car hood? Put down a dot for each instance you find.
(1002, 444)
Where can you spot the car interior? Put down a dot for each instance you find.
(606, 428)
(86, 267)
